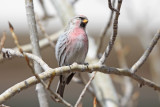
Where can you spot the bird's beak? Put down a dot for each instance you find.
(85, 21)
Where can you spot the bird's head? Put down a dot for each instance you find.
(79, 21)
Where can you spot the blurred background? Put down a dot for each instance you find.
(138, 22)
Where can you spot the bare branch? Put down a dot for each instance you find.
(113, 37)
(32, 27)
(42, 97)
(46, 15)
(15, 37)
(43, 8)
(100, 77)
(112, 7)
(42, 43)
(84, 82)
(84, 90)
(74, 67)
(2, 41)
(44, 32)
(145, 55)
(94, 102)
(21, 50)
(105, 30)
(9, 53)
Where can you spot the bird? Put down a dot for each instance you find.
(71, 46)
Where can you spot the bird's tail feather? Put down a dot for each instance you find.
(61, 86)
(60, 89)
(63, 81)
(69, 78)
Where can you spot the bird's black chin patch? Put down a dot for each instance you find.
(83, 25)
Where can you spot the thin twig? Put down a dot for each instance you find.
(46, 15)
(112, 7)
(49, 83)
(105, 30)
(20, 49)
(44, 32)
(3, 39)
(13, 53)
(145, 55)
(43, 43)
(112, 93)
(43, 7)
(94, 102)
(84, 82)
(15, 37)
(80, 81)
(114, 35)
(84, 90)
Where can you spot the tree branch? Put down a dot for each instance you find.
(113, 37)
(2, 41)
(84, 90)
(72, 68)
(101, 93)
(44, 9)
(112, 7)
(44, 32)
(42, 43)
(42, 97)
(147, 52)
(105, 30)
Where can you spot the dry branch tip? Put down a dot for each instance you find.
(10, 26)
(2, 41)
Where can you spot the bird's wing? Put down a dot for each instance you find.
(60, 48)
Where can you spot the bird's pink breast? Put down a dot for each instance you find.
(77, 32)
(78, 47)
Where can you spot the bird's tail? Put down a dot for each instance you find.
(60, 88)
(63, 81)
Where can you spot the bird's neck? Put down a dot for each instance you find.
(78, 31)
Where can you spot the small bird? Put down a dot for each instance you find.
(72, 46)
